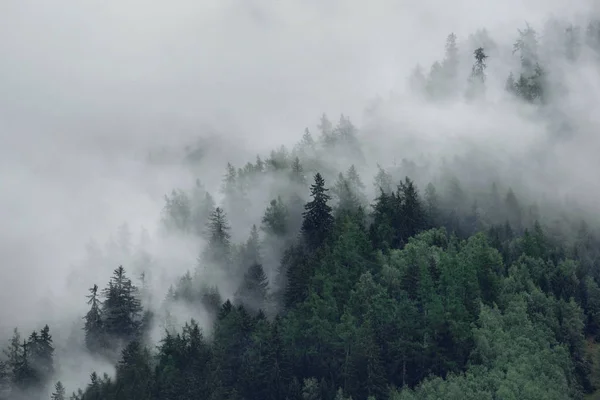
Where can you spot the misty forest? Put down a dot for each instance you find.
(323, 273)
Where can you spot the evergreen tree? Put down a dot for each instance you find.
(327, 134)
(252, 250)
(122, 309)
(218, 249)
(477, 78)
(530, 85)
(94, 329)
(383, 180)
(41, 353)
(297, 173)
(59, 392)
(25, 376)
(14, 353)
(318, 220)
(177, 211)
(275, 219)
(253, 291)
(202, 212)
(450, 65)
(412, 213)
(345, 195)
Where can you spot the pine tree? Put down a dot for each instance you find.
(14, 352)
(202, 213)
(59, 392)
(412, 212)
(94, 329)
(42, 355)
(432, 206)
(252, 250)
(218, 249)
(297, 173)
(477, 78)
(383, 180)
(346, 198)
(25, 376)
(450, 66)
(253, 291)
(177, 211)
(318, 221)
(530, 85)
(229, 182)
(327, 134)
(122, 310)
(356, 184)
(275, 219)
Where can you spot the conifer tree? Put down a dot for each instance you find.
(318, 221)
(449, 67)
(94, 330)
(42, 354)
(297, 173)
(253, 290)
(122, 310)
(202, 212)
(59, 392)
(346, 198)
(275, 219)
(383, 180)
(354, 179)
(252, 250)
(177, 211)
(14, 352)
(327, 134)
(477, 78)
(218, 249)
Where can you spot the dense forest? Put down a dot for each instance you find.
(421, 282)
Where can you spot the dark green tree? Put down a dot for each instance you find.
(121, 309)
(254, 289)
(318, 220)
(94, 327)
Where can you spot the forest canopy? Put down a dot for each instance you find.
(409, 284)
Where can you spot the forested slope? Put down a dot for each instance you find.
(429, 289)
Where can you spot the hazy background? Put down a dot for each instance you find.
(87, 89)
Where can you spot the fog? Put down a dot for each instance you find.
(89, 89)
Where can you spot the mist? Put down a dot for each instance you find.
(98, 102)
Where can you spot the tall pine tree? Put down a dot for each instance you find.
(318, 220)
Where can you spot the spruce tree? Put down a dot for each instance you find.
(42, 355)
(318, 221)
(252, 250)
(253, 291)
(218, 249)
(122, 309)
(346, 197)
(275, 219)
(449, 66)
(59, 392)
(94, 329)
(477, 78)
(297, 173)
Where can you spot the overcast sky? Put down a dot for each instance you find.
(87, 87)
